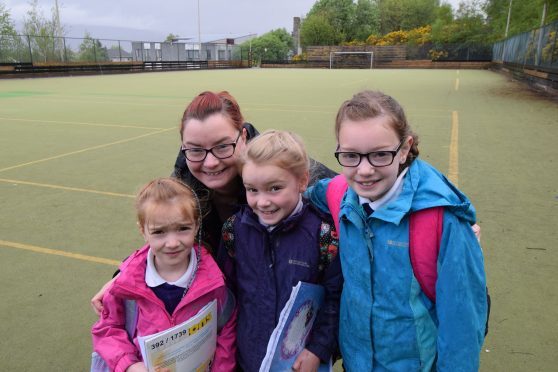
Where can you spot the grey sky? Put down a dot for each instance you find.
(112, 19)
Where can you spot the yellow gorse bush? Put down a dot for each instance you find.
(417, 36)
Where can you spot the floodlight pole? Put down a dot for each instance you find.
(543, 17)
(199, 33)
(508, 22)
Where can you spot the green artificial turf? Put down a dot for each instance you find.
(74, 150)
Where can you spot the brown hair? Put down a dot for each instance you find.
(372, 104)
(167, 190)
(209, 103)
(280, 148)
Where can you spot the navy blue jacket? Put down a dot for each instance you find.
(262, 272)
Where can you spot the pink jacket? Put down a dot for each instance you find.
(110, 339)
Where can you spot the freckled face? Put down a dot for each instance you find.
(364, 136)
(217, 129)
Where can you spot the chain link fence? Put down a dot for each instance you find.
(450, 52)
(60, 50)
(535, 49)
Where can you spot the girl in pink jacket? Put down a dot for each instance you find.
(170, 279)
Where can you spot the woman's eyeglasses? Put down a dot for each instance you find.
(222, 151)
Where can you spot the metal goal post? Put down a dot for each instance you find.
(332, 54)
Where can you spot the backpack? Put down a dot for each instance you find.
(329, 242)
(423, 245)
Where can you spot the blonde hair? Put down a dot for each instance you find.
(280, 148)
(370, 104)
(164, 191)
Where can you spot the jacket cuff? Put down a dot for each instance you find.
(320, 351)
(126, 361)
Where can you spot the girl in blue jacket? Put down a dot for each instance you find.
(275, 242)
(387, 323)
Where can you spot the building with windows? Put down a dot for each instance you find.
(211, 48)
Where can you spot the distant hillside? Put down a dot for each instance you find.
(106, 32)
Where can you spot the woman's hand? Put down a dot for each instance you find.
(97, 300)
(306, 362)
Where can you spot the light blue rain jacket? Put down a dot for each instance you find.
(386, 322)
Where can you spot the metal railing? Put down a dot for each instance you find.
(537, 48)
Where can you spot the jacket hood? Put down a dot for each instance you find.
(425, 187)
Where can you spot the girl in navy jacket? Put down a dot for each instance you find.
(275, 242)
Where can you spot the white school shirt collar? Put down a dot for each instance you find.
(153, 279)
(297, 209)
(391, 195)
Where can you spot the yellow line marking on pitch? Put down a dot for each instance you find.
(79, 123)
(57, 252)
(100, 102)
(18, 182)
(86, 149)
(453, 172)
(456, 86)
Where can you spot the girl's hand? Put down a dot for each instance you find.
(97, 300)
(306, 362)
(477, 230)
(137, 367)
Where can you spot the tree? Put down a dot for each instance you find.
(316, 29)
(12, 49)
(271, 46)
(470, 26)
(340, 14)
(91, 50)
(406, 14)
(171, 37)
(525, 15)
(441, 26)
(42, 34)
(367, 20)
(336, 14)
(7, 26)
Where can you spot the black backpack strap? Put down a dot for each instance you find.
(329, 245)
(228, 235)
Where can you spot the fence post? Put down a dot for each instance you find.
(65, 50)
(539, 48)
(119, 52)
(95, 50)
(29, 46)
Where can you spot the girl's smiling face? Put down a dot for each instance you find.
(271, 191)
(364, 136)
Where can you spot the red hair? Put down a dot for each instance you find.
(209, 103)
